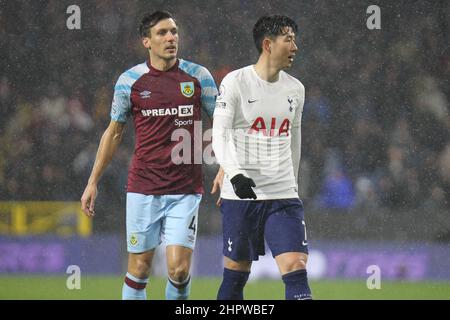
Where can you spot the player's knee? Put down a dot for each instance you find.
(243, 266)
(300, 264)
(179, 273)
(296, 264)
(141, 268)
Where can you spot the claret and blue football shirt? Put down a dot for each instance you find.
(165, 107)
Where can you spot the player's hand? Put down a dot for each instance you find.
(88, 200)
(217, 184)
(243, 186)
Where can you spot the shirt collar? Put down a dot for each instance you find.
(154, 71)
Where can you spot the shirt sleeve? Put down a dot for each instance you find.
(296, 134)
(209, 91)
(121, 104)
(223, 131)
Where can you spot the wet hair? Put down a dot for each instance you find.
(271, 26)
(151, 19)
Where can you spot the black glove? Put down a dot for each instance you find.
(243, 186)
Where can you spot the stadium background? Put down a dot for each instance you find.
(375, 170)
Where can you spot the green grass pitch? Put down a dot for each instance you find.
(22, 287)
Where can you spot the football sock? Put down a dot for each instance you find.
(296, 283)
(134, 288)
(178, 290)
(232, 287)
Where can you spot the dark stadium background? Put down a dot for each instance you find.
(375, 168)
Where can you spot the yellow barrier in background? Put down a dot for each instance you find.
(43, 217)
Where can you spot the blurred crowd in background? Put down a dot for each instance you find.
(376, 118)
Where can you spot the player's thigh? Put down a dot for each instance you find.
(180, 222)
(243, 239)
(285, 228)
(143, 222)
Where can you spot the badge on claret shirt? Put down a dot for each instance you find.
(187, 89)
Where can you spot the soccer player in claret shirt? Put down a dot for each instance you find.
(162, 95)
(256, 140)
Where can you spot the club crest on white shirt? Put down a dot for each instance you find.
(221, 92)
(291, 106)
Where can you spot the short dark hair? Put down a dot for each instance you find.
(151, 19)
(271, 26)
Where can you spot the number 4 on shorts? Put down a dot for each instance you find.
(192, 225)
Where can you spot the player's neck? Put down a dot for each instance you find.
(161, 64)
(266, 70)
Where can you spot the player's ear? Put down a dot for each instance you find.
(146, 42)
(267, 45)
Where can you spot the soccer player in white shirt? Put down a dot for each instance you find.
(256, 140)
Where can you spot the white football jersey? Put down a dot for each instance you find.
(254, 124)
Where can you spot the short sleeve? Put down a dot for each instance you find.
(121, 104)
(209, 91)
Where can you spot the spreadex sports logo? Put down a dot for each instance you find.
(181, 111)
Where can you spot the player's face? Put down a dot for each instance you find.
(284, 49)
(163, 40)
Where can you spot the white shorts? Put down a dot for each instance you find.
(152, 219)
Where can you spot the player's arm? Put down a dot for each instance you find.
(223, 132)
(296, 142)
(217, 183)
(120, 111)
(208, 101)
(222, 138)
(227, 101)
(209, 92)
(296, 135)
(107, 148)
